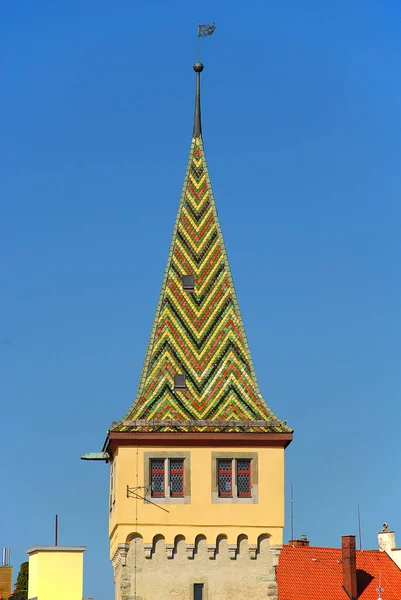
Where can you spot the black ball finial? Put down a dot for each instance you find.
(198, 67)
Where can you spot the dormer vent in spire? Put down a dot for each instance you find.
(180, 382)
(188, 283)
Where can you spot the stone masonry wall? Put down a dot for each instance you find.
(229, 572)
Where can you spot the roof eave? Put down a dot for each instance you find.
(116, 439)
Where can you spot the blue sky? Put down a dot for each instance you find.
(300, 106)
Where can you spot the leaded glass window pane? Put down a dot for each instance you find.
(225, 477)
(176, 484)
(157, 477)
(243, 485)
(157, 484)
(176, 477)
(244, 477)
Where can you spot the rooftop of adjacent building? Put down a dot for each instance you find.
(57, 549)
(308, 572)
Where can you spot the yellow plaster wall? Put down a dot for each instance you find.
(33, 581)
(201, 515)
(57, 574)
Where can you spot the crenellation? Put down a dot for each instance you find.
(275, 551)
(232, 551)
(123, 550)
(201, 547)
(250, 566)
(120, 556)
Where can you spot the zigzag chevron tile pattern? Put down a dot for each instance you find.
(198, 333)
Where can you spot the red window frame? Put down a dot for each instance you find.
(180, 471)
(225, 472)
(154, 471)
(243, 471)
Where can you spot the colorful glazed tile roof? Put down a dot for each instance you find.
(314, 573)
(198, 333)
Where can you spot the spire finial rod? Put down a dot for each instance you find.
(197, 133)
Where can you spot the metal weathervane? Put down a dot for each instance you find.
(204, 31)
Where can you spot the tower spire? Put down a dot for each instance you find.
(198, 374)
(197, 133)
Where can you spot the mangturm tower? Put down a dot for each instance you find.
(197, 462)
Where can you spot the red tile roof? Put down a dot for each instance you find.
(314, 573)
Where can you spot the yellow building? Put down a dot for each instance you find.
(6, 574)
(6, 581)
(56, 572)
(197, 463)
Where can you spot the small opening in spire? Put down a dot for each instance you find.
(180, 381)
(188, 283)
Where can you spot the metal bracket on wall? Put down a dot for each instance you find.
(132, 492)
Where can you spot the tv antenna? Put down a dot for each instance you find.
(56, 531)
(292, 511)
(359, 528)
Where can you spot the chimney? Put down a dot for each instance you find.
(386, 539)
(302, 541)
(349, 566)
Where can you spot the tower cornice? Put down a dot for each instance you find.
(185, 439)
